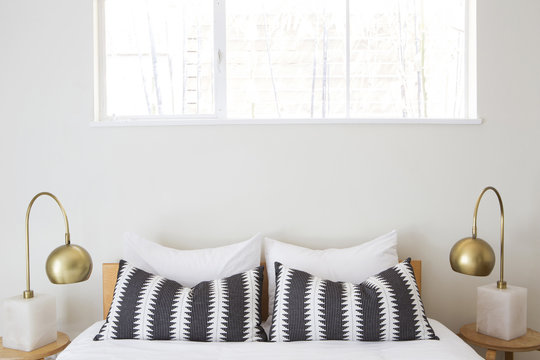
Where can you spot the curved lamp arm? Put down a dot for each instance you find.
(29, 293)
(501, 284)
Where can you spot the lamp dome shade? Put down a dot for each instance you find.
(472, 256)
(68, 264)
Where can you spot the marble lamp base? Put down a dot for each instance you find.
(502, 313)
(29, 323)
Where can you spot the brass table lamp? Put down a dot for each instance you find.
(30, 320)
(501, 310)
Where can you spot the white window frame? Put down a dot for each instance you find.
(220, 84)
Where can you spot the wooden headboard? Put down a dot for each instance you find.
(110, 270)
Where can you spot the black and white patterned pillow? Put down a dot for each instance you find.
(150, 307)
(386, 306)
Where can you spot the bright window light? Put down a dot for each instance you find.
(159, 57)
(283, 59)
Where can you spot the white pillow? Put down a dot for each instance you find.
(190, 267)
(353, 265)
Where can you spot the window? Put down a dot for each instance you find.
(280, 60)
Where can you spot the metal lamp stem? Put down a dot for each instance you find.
(27, 294)
(501, 284)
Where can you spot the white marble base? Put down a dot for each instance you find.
(29, 323)
(502, 313)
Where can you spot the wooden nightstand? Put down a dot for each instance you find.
(527, 342)
(53, 348)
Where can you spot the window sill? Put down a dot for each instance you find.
(214, 121)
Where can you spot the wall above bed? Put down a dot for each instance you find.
(317, 186)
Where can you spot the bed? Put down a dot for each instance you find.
(450, 346)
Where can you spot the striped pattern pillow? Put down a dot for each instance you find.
(150, 307)
(386, 306)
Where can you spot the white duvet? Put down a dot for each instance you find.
(449, 347)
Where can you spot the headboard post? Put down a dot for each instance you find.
(110, 271)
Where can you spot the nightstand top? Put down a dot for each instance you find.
(527, 342)
(50, 349)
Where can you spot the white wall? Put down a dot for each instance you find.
(318, 186)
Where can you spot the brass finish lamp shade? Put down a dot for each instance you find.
(474, 256)
(66, 264)
(471, 256)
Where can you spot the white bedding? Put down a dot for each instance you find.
(449, 347)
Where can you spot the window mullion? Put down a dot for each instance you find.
(220, 63)
(347, 60)
(100, 56)
(469, 81)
